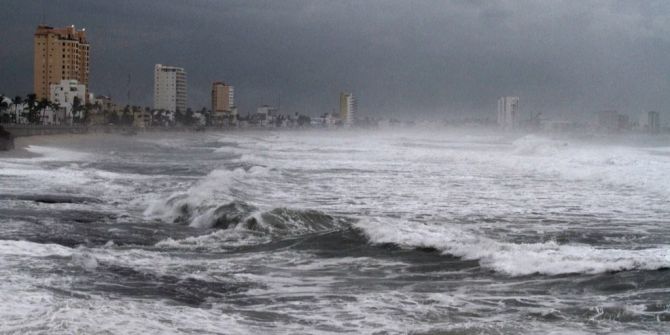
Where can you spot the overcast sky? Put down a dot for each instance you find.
(434, 59)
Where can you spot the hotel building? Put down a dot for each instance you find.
(60, 54)
(224, 112)
(223, 97)
(170, 88)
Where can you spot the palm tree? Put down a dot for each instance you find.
(31, 115)
(97, 111)
(87, 112)
(147, 111)
(55, 107)
(76, 108)
(3, 107)
(127, 117)
(17, 101)
(41, 108)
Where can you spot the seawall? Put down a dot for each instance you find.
(8, 132)
(20, 130)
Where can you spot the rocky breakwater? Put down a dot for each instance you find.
(6, 140)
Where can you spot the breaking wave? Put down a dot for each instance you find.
(200, 205)
(532, 145)
(216, 202)
(515, 259)
(240, 225)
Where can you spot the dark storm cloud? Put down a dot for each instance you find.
(432, 58)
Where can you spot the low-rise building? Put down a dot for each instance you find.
(70, 96)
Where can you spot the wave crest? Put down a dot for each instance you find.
(199, 206)
(516, 259)
(259, 227)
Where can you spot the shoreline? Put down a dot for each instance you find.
(22, 143)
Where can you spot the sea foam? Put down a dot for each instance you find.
(515, 259)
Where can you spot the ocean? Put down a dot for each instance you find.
(335, 232)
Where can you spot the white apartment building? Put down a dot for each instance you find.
(170, 88)
(267, 110)
(508, 112)
(348, 108)
(64, 95)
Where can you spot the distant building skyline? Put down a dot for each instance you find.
(170, 88)
(556, 74)
(59, 54)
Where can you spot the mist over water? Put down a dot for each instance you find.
(310, 232)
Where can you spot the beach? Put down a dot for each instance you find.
(333, 232)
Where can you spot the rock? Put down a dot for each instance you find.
(6, 140)
(231, 214)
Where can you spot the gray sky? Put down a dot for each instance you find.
(430, 59)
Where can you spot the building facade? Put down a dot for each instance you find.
(223, 97)
(170, 88)
(348, 108)
(67, 94)
(267, 110)
(508, 113)
(60, 54)
(224, 112)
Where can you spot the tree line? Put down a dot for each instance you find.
(33, 110)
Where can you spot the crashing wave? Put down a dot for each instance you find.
(532, 145)
(515, 259)
(198, 205)
(237, 229)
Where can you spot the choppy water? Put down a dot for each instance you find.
(335, 232)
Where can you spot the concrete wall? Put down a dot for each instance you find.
(19, 130)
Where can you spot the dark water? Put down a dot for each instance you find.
(335, 232)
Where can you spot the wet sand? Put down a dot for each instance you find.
(22, 143)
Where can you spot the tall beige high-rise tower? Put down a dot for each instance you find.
(223, 97)
(60, 54)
